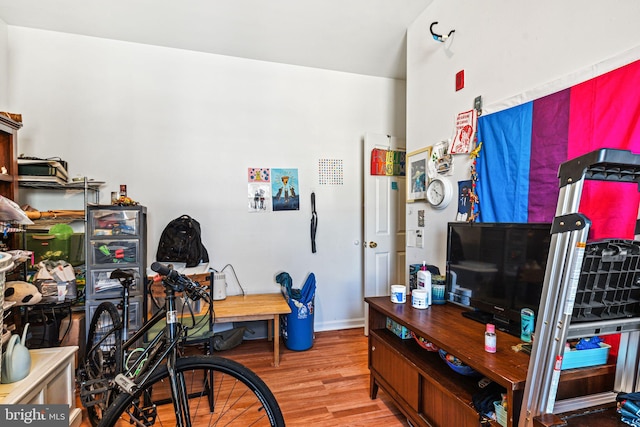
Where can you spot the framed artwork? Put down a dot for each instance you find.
(417, 178)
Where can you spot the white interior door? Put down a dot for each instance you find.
(384, 223)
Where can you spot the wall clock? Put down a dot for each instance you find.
(439, 193)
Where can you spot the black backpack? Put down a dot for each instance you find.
(181, 242)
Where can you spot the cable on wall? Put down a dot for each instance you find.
(439, 37)
(314, 222)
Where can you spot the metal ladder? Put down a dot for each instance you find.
(564, 264)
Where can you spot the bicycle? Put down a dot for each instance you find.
(155, 384)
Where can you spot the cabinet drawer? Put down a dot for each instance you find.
(135, 311)
(114, 252)
(402, 377)
(100, 285)
(112, 221)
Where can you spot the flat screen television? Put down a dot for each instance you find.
(497, 269)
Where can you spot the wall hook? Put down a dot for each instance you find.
(439, 37)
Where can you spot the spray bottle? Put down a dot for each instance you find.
(424, 281)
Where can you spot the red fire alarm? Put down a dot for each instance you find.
(459, 80)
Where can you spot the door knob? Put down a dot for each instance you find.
(373, 244)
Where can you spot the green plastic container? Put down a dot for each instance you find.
(48, 246)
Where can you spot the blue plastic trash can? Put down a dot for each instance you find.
(298, 326)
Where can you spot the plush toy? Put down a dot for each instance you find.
(23, 293)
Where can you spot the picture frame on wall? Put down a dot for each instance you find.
(417, 178)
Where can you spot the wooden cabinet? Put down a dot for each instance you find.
(423, 387)
(8, 157)
(427, 391)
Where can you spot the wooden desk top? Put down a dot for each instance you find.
(250, 307)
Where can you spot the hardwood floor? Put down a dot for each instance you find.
(327, 385)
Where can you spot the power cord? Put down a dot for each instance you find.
(234, 275)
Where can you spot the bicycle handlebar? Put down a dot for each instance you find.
(180, 282)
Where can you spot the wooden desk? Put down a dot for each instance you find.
(239, 308)
(268, 307)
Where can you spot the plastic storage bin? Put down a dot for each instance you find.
(501, 413)
(609, 284)
(48, 246)
(583, 358)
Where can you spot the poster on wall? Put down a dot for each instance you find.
(465, 133)
(259, 190)
(464, 200)
(285, 189)
(330, 172)
(388, 162)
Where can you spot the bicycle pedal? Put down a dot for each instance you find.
(144, 416)
(89, 386)
(93, 396)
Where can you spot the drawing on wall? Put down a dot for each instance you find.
(259, 197)
(464, 200)
(285, 189)
(441, 161)
(416, 187)
(388, 162)
(330, 172)
(465, 133)
(259, 175)
(259, 190)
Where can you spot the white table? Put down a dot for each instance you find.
(50, 381)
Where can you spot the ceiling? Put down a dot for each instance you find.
(356, 36)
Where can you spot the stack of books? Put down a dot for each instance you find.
(42, 170)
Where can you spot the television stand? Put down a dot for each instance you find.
(507, 326)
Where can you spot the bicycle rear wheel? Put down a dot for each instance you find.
(102, 362)
(220, 392)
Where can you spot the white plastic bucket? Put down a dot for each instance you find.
(398, 294)
(419, 298)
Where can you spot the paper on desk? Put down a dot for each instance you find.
(182, 268)
(63, 274)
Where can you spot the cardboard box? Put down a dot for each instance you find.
(398, 329)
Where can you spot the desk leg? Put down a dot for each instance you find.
(276, 340)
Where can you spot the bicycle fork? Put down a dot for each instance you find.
(179, 393)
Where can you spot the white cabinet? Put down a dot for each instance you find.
(51, 381)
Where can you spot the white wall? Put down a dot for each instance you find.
(4, 71)
(180, 128)
(506, 49)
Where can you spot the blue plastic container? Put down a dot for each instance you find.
(583, 358)
(298, 326)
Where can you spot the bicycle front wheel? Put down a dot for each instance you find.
(219, 392)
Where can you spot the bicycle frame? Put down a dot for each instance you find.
(170, 336)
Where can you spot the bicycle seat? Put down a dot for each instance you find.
(125, 277)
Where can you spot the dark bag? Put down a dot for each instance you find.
(226, 340)
(181, 241)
